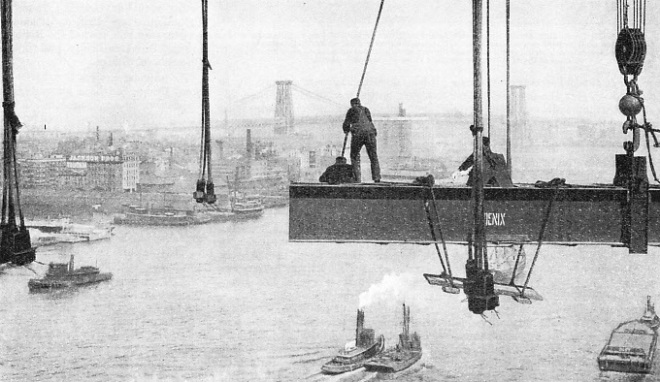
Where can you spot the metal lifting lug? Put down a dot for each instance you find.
(522, 300)
(199, 194)
(627, 126)
(210, 193)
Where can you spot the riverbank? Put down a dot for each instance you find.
(42, 203)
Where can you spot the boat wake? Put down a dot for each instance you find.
(306, 358)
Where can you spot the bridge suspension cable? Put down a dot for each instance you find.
(253, 95)
(317, 96)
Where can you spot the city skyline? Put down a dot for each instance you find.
(136, 64)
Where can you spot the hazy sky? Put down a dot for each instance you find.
(138, 62)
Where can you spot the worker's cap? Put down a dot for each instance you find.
(341, 160)
(355, 101)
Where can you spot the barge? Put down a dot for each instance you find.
(632, 344)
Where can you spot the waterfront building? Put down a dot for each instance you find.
(130, 172)
(88, 171)
(102, 172)
(42, 172)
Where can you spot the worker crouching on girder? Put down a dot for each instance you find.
(363, 133)
(495, 172)
(338, 173)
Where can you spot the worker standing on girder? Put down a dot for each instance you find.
(495, 171)
(363, 133)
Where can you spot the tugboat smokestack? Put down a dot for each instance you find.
(359, 327)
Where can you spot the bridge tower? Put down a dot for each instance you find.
(519, 116)
(283, 107)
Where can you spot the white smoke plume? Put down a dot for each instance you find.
(393, 288)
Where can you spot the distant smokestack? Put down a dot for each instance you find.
(406, 321)
(221, 149)
(360, 326)
(248, 143)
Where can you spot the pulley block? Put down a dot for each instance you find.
(630, 51)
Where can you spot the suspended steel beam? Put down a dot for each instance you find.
(394, 213)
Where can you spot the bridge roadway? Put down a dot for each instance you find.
(395, 213)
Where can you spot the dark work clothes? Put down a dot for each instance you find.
(357, 117)
(365, 138)
(338, 174)
(363, 133)
(495, 172)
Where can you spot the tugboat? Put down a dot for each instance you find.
(405, 354)
(632, 344)
(63, 275)
(357, 352)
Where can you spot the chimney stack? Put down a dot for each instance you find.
(221, 149)
(248, 144)
(359, 326)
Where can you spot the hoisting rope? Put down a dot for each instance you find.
(204, 191)
(203, 149)
(447, 269)
(373, 37)
(366, 63)
(649, 131)
(541, 234)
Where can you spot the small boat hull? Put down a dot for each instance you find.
(393, 361)
(341, 364)
(46, 284)
(631, 348)
(161, 220)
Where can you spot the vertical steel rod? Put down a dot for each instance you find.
(508, 88)
(477, 171)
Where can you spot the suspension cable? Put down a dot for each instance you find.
(312, 94)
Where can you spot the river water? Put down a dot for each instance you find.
(236, 301)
